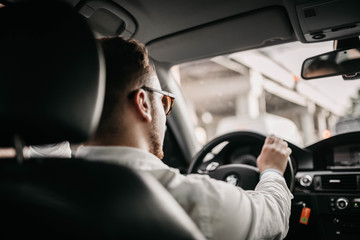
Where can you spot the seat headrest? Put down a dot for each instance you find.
(52, 78)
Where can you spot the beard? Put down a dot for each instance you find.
(155, 139)
(156, 146)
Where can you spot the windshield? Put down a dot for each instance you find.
(261, 90)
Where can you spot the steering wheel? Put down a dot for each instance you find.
(235, 162)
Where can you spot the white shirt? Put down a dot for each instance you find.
(220, 210)
(60, 150)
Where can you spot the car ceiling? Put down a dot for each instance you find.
(174, 16)
(181, 30)
(174, 30)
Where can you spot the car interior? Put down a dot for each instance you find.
(52, 87)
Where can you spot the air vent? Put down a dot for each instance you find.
(339, 182)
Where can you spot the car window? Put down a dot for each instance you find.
(261, 90)
(173, 156)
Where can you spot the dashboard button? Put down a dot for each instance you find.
(306, 181)
(342, 203)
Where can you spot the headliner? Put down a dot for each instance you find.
(171, 28)
(175, 31)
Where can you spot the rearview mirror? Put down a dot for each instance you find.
(340, 62)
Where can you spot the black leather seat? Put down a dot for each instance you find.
(51, 89)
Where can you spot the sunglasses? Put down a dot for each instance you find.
(167, 99)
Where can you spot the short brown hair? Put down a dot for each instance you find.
(127, 68)
(127, 62)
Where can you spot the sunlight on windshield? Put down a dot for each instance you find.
(262, 90)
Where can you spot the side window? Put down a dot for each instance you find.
(173, 157)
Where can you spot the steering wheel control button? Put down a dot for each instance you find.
(342, 203)
(306, 181)
(232, 179)
(212, 166)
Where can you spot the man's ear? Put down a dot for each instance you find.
(142, 105)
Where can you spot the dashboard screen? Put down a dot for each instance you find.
(347, 156)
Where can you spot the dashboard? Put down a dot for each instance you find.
(328, 182)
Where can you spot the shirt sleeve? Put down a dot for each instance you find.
(271, 207)
(223, 211)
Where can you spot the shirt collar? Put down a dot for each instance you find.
(128, 156)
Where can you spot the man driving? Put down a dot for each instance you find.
(131, 133)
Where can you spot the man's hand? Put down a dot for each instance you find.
(274, 154)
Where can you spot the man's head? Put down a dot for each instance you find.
(133, 113)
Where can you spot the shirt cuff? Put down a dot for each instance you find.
(270, 170)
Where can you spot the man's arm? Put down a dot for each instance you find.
(223, 211)
(271, 198)
(271, 202)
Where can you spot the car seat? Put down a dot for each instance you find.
(51, 90)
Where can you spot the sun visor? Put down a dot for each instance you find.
(224, 36)
(107, 19)
(321, 20)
